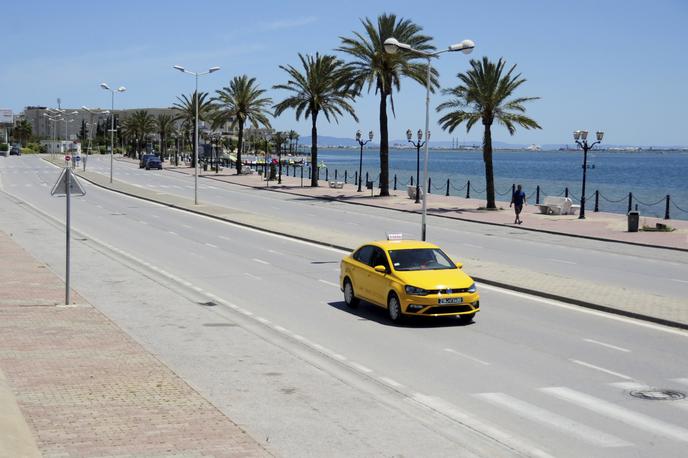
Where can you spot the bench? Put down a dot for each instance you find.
(557, 206)
(411, 191)
(336, 184)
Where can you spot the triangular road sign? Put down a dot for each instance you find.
(60, 188)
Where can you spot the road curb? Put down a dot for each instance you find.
(543, 294)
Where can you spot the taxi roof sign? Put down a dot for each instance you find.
(60, 187)
(395, 236)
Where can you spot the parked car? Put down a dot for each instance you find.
(408, 278)
(15, 151)
(154, 163)
(144, 160)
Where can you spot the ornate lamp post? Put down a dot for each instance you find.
(581, 138)
(392, 45)
(418, 145)
(360, 159)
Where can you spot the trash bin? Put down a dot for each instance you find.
(633, 221)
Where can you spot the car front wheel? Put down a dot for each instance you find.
(394, 308)
(349, 297)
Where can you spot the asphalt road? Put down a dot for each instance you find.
(543, 377)
(613, 264)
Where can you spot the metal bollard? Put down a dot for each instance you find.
(597, 201)
(666, 210)
(335, 174)
(367, 177)
(412, 180)
(447, 194)
(537, 195)
(327, 175)
(566, 191)
(630, 201)
(429, 185)
(468, 189)
(302, 176)
(513, 189)
(346, 175)
(395, 181)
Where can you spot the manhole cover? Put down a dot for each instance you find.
(658, 395)
(208, 304)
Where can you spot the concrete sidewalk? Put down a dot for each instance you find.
(76, 385)
(629, 301)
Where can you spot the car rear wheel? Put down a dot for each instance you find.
(394, 308)
(349, 297)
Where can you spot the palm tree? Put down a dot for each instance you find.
(239, 103)
(324, 86)
(375, 68)
(166, 127)
(138, 126)
(484, 95)
(22, 131)
(293, 140)
(186, 107)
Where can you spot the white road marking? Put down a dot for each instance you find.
(223, 237)
(210, 245)
(275, 252)
(553, 420)
(280, 328)
(680, 281)
(622, 414)
(143, 222)
(360, 367)
(613, 347)
(390, 382)
(450, 411)
(261, 261)
(329, 283)
(263, 320)
(255, 277)
(628, 385)
(562, 261)
(172, 233)
(684, 381)
(451, 350)
(576, 308)
(186, 226)
(601, 369)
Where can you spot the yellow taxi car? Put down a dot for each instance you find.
(408, 278)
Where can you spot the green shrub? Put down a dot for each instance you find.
(4, 147)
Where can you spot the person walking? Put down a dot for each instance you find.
(518, 200)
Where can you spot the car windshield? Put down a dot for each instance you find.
(420, 259)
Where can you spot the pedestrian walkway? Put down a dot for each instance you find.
(73, 384)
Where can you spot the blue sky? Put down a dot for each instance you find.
(612, 65)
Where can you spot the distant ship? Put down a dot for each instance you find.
(534, 147)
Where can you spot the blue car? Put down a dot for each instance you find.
(154, 163)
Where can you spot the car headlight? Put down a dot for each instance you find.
(412, 290)
(472, 289)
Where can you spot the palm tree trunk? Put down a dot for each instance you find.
(489, 172)
(384, 146)
(314, 150)
(239, 146)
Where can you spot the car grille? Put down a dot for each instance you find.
(446, 291)
(440, 309)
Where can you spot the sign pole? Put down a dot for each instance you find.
(67, 198)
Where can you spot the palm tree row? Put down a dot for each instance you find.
(326, 85)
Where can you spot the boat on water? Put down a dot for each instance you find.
(534, 147)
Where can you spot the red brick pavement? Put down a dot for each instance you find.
(86, 388)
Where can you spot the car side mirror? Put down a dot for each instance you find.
(459, 265)
(381, 269)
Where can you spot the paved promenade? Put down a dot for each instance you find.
(73, 384)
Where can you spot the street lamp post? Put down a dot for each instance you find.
(360, 158)
(581, 139)
(112, 120)
(54, 120)
(90, 132)
(418, 145)
(392, 45)
(196, 75)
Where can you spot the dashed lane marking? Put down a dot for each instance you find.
(601, 369)
(613, 347)
(261, 261)
(329, 283)
(463, 355)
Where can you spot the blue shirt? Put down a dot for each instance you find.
(518, 198)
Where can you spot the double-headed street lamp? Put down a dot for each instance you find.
(418, 145)
(360, 159)
(196, 75)
(54, 119)
(392, 45)
(112, 120)
(90, 130)
(581, 138)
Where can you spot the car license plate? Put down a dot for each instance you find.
(450, 300)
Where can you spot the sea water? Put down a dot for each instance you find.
(649, 175)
